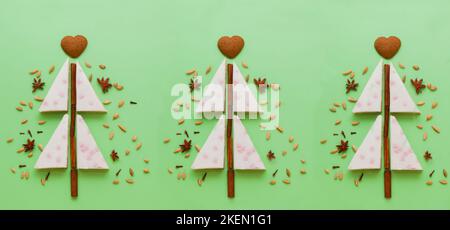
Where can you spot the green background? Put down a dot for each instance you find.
(148, 45)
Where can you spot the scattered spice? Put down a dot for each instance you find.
(427, 155)
(418, 85)
(271, 155)
(429, 182)
(194, 85)
(443, 181)
(114, 155)
(429, 117)
(29, 146)
(121, 127)
(434, 105)
(416, 67)
(275, 173)
(115, 116)
(208, 70)
(37, 84)
(288, 173)
(361, 177)
(444, 172)
(261, 84)
(118, 172)
(287, 181)
(365, 70)
(431, 174)
(295, 146)
(272, 182)
(352, 99)
(139, 146)
(104, 84)
(280, 129)
(351, 85)
(186, 146)
(348, 72)
(101, 66)
(436, 129)
(131, 171)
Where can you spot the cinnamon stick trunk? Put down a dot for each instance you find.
(386, 144)
(73, 114)
(230, 168)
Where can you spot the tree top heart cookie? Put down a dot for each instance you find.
(74, 46)
(387, 47)
(230, 46)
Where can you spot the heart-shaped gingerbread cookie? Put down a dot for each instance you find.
(230, 46)
(74, 46)
(387, 47)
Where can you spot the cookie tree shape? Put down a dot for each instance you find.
(370, 99)
(402, 155)
(214, 94)
(245, 155)
(57, 96)
(87, 100)
(211, 155)
(55, 153)
(368, 155)
(243, 99)
(401, 101)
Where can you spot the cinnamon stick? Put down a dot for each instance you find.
(73, 114)
(230, 173)
(387, 159)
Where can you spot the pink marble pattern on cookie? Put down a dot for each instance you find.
(57, 96)
(401, 101)
(402, 155)
(87, 100)
(214, 94)
(55, 152)
(368, 155)
(370, 99)
(243, 98)
(88, 153)
(212, 154)
(245, 155)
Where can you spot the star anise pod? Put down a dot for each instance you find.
(29, 146)
(186, 146)
(271, 155)
(261, 84)
(427, 155)
(418, 85)
(194, 85)
(37, 84)
(343, 146)
(351, 85)
(104, 83)
(114, 155)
